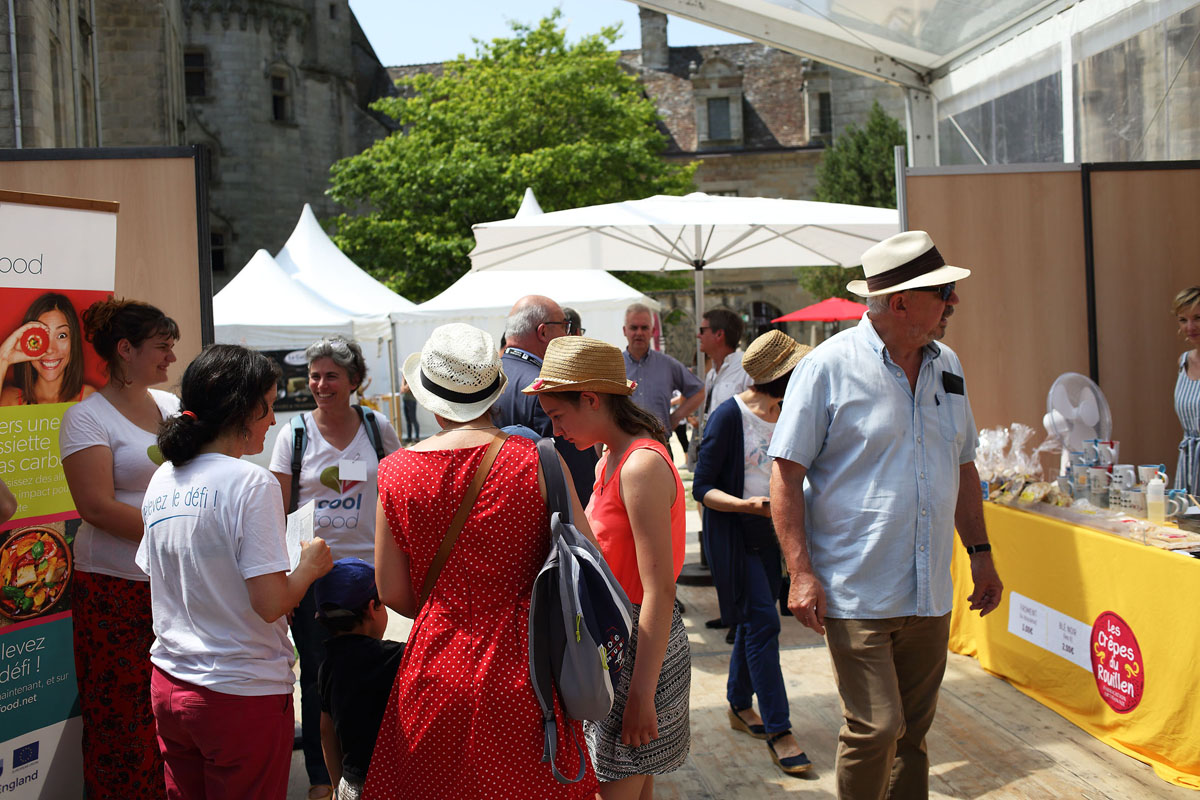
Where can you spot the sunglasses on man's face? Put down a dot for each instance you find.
(944, 291)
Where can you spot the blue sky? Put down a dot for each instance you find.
(423, 31)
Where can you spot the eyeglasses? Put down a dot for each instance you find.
(568, 326)
(704, 328)
(944, 291)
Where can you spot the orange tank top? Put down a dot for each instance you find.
(610, 522)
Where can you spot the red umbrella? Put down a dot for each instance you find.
(834, 309)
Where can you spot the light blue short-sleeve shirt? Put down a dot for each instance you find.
(657, 375)
(882, 472)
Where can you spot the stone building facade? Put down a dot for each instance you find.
(757, 120)
(92, 73)
(277, 91)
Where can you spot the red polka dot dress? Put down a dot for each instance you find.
(462, 720)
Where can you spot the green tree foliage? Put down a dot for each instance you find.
(859, 169)
(530, 110)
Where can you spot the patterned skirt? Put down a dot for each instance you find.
(113, 631)
(613, 760)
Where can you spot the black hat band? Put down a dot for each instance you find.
(923, 264)
(459, 397)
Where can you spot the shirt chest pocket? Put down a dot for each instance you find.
(952, 417)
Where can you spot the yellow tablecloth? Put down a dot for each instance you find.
(1062, 573)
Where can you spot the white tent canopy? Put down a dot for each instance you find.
(263, 308)
(310, 257)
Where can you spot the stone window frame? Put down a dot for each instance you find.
(818, 83)
(707, 85)
(723, 188)
(218, 237)
(284, 71)
(205, 71)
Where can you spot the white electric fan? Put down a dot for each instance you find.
(1076, 411)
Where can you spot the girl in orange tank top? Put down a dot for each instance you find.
(637, 515)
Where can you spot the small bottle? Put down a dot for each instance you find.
(1156, 506)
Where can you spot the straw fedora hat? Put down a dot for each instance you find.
(457, 374)
(905, 261)
(580, 364)
(772, 355)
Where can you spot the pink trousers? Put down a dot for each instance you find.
(219, 745)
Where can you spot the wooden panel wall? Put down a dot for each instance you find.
(1022, 319)
(1146, 229)
(157, 258)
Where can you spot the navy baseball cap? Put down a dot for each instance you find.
(346, 588)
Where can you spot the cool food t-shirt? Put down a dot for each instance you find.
(95, 422)
(345, 512)
(211, 525)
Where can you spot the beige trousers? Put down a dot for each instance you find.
(888, 673)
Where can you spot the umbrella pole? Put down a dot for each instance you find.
(698, 574)
(699, 288)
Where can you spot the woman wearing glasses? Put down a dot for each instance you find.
(338, 465)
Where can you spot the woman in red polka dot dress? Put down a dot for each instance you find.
(462, 721)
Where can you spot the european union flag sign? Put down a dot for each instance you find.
(26, 754)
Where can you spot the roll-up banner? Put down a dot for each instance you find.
(57, 257)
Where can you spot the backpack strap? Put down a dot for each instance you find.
(550, 749)
(372, 426)
(299, 442)
(460, 518)
(557, 498)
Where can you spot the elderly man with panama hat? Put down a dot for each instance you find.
(873, 471)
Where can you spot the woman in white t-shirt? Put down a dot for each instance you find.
(339, 469)
(732, 480)
(216, 552)
(109, 453)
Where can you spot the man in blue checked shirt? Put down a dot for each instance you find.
(878, 422)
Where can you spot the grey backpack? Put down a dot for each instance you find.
(579, 622)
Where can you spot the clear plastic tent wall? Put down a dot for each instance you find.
(1130, 82)
(1004, 81)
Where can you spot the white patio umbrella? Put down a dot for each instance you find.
(694, 232)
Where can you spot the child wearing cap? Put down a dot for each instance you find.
(357, 675)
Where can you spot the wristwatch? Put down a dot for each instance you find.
(978, 548)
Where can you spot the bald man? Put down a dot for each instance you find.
(531, 324)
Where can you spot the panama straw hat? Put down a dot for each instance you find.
(457, 374)
(905, 261)
(580, 364)
(772, 355)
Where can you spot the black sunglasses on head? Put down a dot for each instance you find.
(944, 291)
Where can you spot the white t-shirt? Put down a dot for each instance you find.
(211, 525)
(756, 438)
(345, 513)
(724, 384)
(95, 422)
